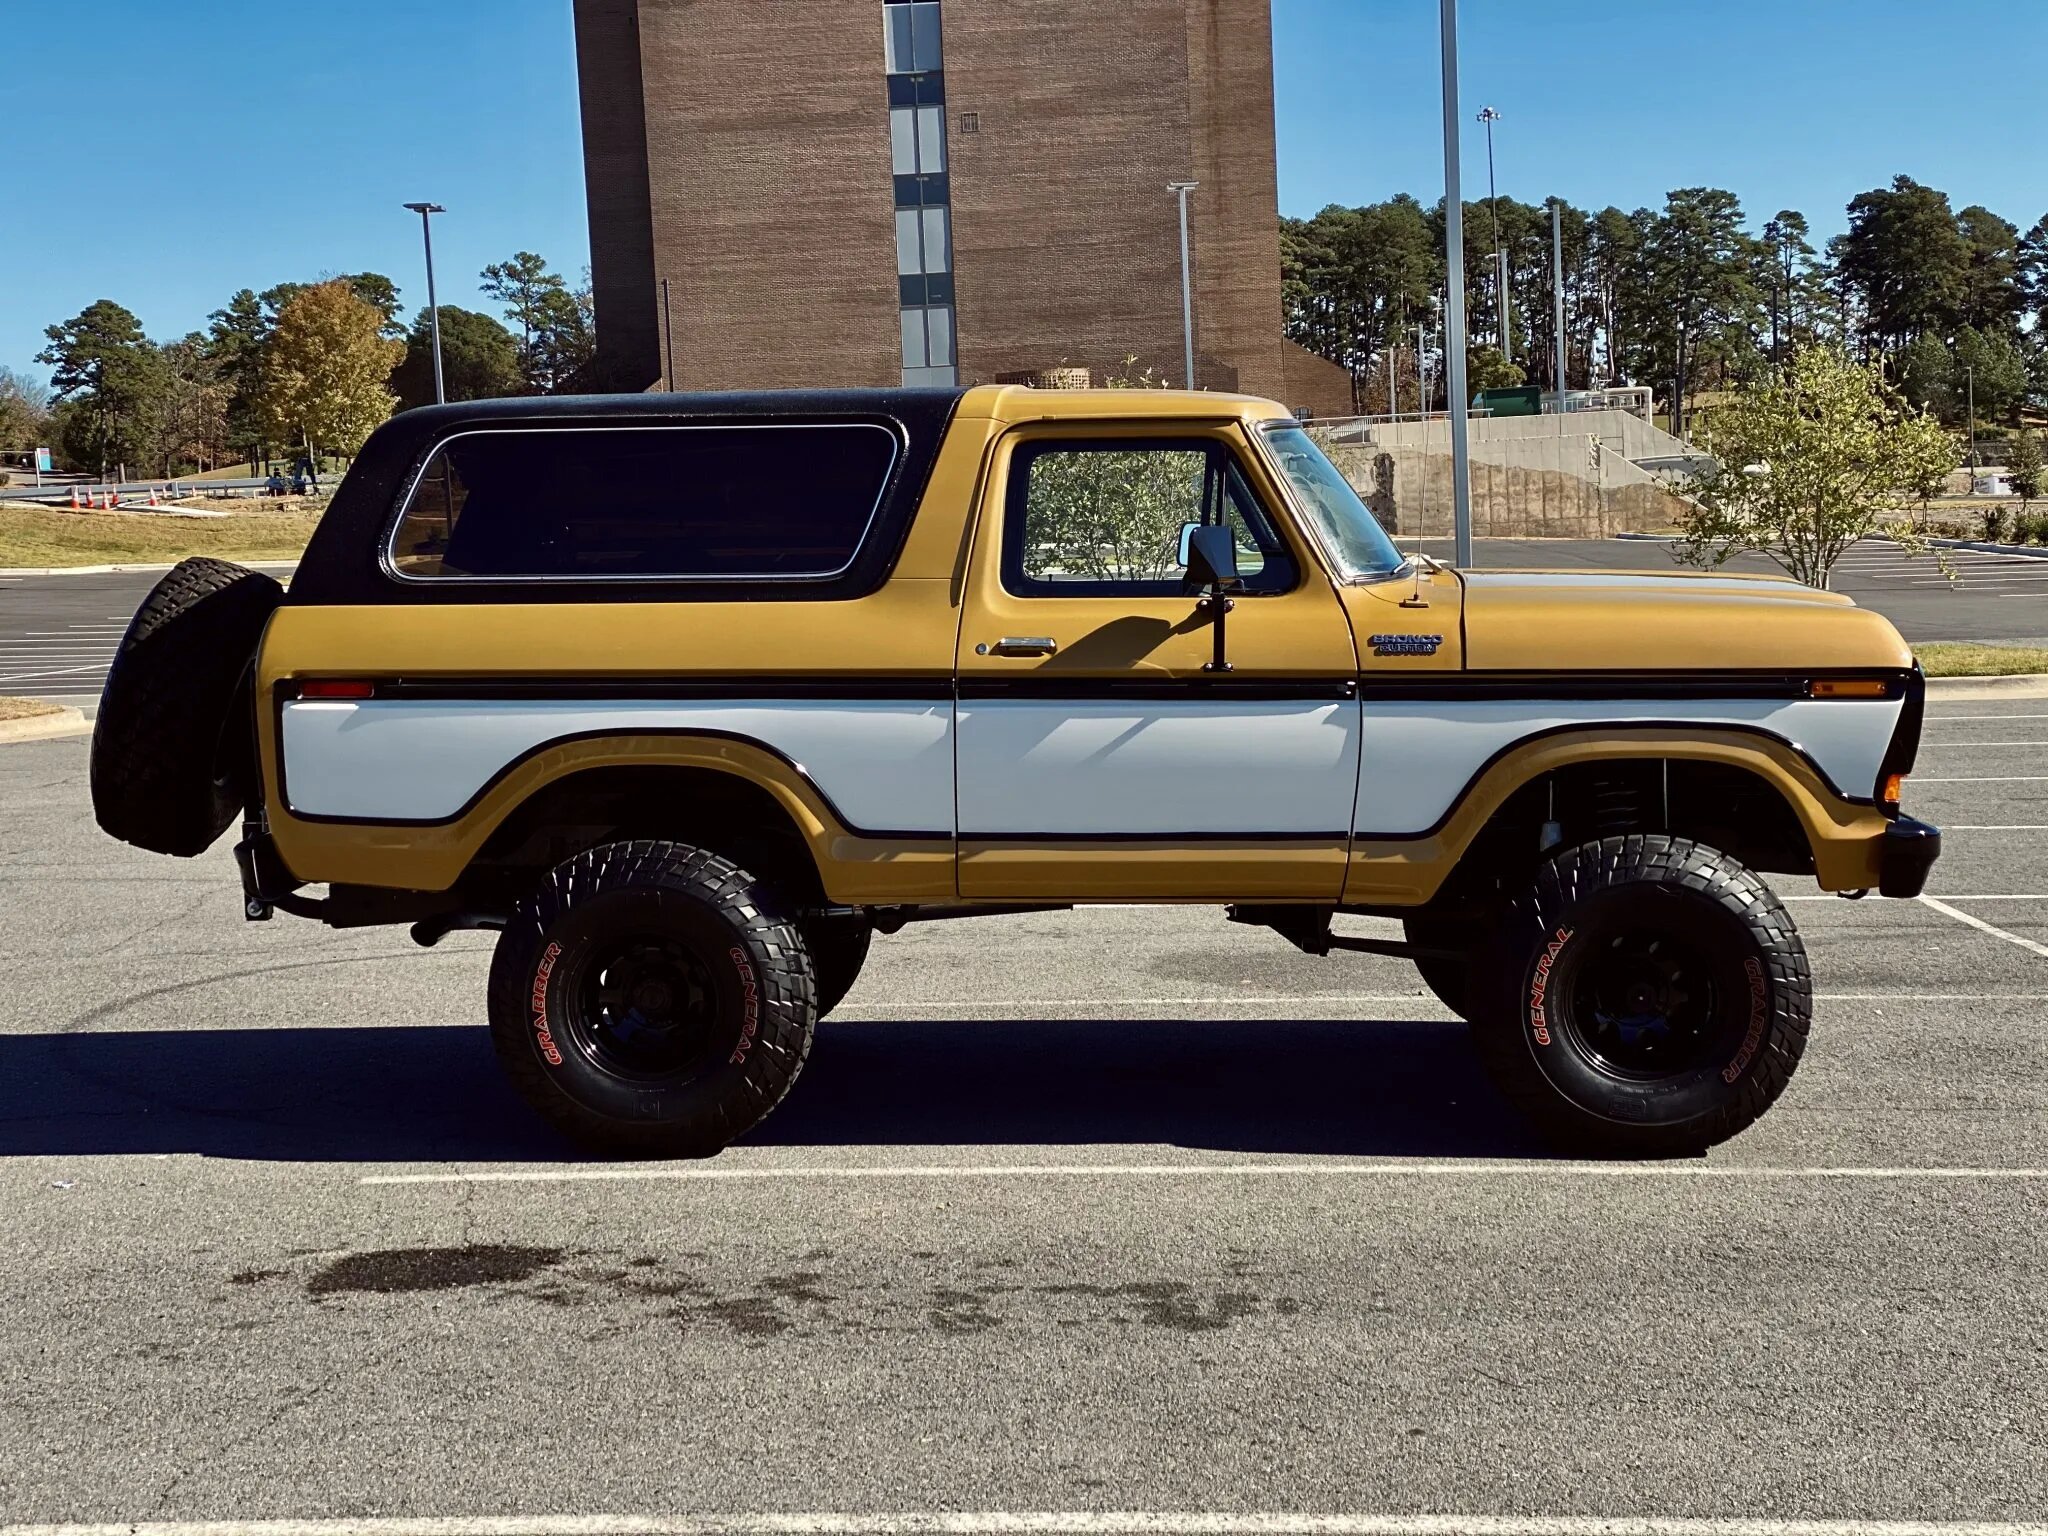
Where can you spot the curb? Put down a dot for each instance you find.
(116, 570)
(68, 721)
(2015, 686)
(2025, 551)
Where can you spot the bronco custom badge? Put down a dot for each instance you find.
(1404, 645)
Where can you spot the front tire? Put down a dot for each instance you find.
(1651, 997)
(1453, 981)
(652, 999)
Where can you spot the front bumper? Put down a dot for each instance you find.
(1909, 850)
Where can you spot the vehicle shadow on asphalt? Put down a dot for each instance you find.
(428, 1094)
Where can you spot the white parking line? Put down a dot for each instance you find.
(2021, 778)
(1978, 923)
(2016, 826)
(1936, 719)
(1931, 745)
(697, 1173)
(1043, 1523)
(1945, 896)
(1025, 1009)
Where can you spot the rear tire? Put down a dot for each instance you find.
(652, 999)
(839, 948)
(1648, 996)
(173, 758)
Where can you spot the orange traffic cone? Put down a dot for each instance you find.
(74, 498)
(113, 500)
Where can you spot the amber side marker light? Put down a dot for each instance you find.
(1848, 688)
(322, 688)
(1894, 787)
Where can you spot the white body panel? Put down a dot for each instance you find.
(1049, 767)
(888, 767)
(1419, 757)
(1149, 768)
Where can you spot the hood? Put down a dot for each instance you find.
(1659, 621)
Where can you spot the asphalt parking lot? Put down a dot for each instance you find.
(1115, 1220)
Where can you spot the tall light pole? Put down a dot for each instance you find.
(1970, 379)
(426, 211)
(1557, 291)
(1187, 293)
(1454, 272)
(1490, 116)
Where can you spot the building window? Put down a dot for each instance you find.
(913, 36)
(970, 122)
(917, 140)
(928, 337)
(921, 242)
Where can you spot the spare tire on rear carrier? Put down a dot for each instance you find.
(173, 749)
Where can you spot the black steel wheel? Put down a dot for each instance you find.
(652, 998)
(1648, 996)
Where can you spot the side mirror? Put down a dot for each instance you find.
(1209, 553)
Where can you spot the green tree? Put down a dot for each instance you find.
(101, 360)
(1485, 368)
(1992, 298)
(1793, 279)
(1927, 377)
(1990, 369)
(381, 294)
(1614, 252)
(1908, 260)
(1808, 464)
(236, 337)
(2023, 467)
(556, 338)
(326, 375)
(1696, 307)
(2033, 274)
(1355, 280)
(479, 359)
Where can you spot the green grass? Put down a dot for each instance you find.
(42, 536)
(1955, 658)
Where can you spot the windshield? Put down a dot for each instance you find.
(1356, 543)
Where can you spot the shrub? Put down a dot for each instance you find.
(1994, 525)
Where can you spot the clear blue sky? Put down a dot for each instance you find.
(165, 155)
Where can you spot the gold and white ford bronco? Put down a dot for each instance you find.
(688, 696)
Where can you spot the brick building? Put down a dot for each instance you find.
(820, 192)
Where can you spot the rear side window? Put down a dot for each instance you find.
(711, 503)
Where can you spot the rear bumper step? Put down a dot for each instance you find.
(1909, 851)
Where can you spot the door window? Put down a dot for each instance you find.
(1104, 518)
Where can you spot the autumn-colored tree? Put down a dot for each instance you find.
(327, 370)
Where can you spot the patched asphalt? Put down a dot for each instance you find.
(211, 1315)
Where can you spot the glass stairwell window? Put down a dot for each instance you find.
(915, 62)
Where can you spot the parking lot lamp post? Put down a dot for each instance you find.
(1181, 189)
(1970, 381)
(1454, 271)
(1490, 116)
(426, 211)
